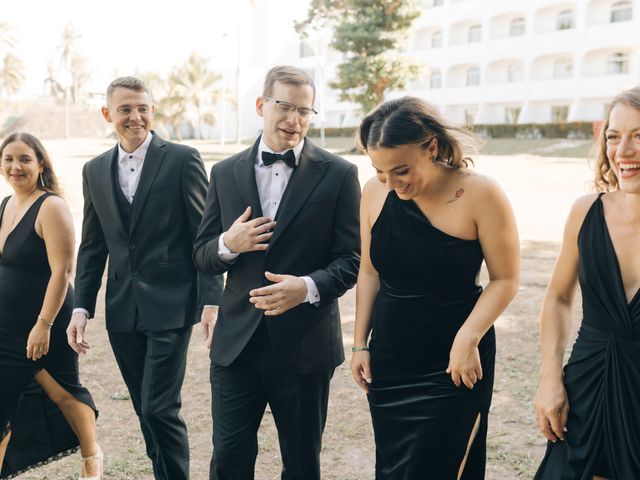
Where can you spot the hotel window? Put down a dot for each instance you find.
(436, 39)
(618, 63)
(566, 20)
(473, 76)
(518, 27)
(435, 80)
(621, 12)
(559, 113)
(475, 34)
(563, 68)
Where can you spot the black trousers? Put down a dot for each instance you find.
(153, 366)
(240, 393)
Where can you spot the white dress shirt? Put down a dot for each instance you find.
(130, 166)
(272, 181)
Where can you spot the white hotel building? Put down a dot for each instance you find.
(505, 61)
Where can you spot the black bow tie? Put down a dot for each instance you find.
(288, 157)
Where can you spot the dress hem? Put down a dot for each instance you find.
(41, 463)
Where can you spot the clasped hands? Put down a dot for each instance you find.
(287, 291)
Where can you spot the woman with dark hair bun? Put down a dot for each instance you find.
(45, 413)
(427, 223)
(589, 411)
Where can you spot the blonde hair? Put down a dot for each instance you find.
(286, 74)
(605, 177)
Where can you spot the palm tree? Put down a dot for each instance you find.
(52, 86)
(6, 39)
(11, 74)
(12, 70)
(196, 84)
(171, 107)
(73, 65)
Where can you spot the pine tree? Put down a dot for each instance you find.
(370, 33)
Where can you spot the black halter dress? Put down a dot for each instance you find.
(602, 376)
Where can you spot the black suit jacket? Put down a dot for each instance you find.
(151, 275)
(317, 234)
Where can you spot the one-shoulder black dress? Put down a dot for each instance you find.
(428, 286)
(602, 376)
(39, 431)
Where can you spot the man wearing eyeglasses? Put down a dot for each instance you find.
(281, 219)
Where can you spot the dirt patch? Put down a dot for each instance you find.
(541, 191)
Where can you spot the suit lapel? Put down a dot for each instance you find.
(109, 165)
(246, 180)
(308, 174)
(152, 162)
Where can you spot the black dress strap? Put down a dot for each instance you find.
(5, 200)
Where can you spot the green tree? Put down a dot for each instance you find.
(370, 33)
(196, 84)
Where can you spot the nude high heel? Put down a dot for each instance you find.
(100, 458)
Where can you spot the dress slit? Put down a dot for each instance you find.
(39, 431)
(423, 423)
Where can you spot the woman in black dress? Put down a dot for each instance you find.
(44, 411)
(427, 223)
(590, 410)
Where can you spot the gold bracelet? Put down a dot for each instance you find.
(48, 324)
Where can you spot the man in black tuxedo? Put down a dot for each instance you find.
(143, 202)
(281, 218)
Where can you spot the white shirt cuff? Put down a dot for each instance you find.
(313, 296)
(81, 310)
(223, 252)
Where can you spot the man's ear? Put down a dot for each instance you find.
(106, 114)
(259, 105)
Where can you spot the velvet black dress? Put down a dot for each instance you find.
(428, 286)
(39, 431)
(602, 376)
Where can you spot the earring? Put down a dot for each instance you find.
(41, 181)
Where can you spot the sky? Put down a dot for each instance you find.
(121, 37)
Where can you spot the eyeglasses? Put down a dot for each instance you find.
(286, 108)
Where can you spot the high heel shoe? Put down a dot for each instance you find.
(100, 458)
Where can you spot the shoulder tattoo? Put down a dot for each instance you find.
(456, 195)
